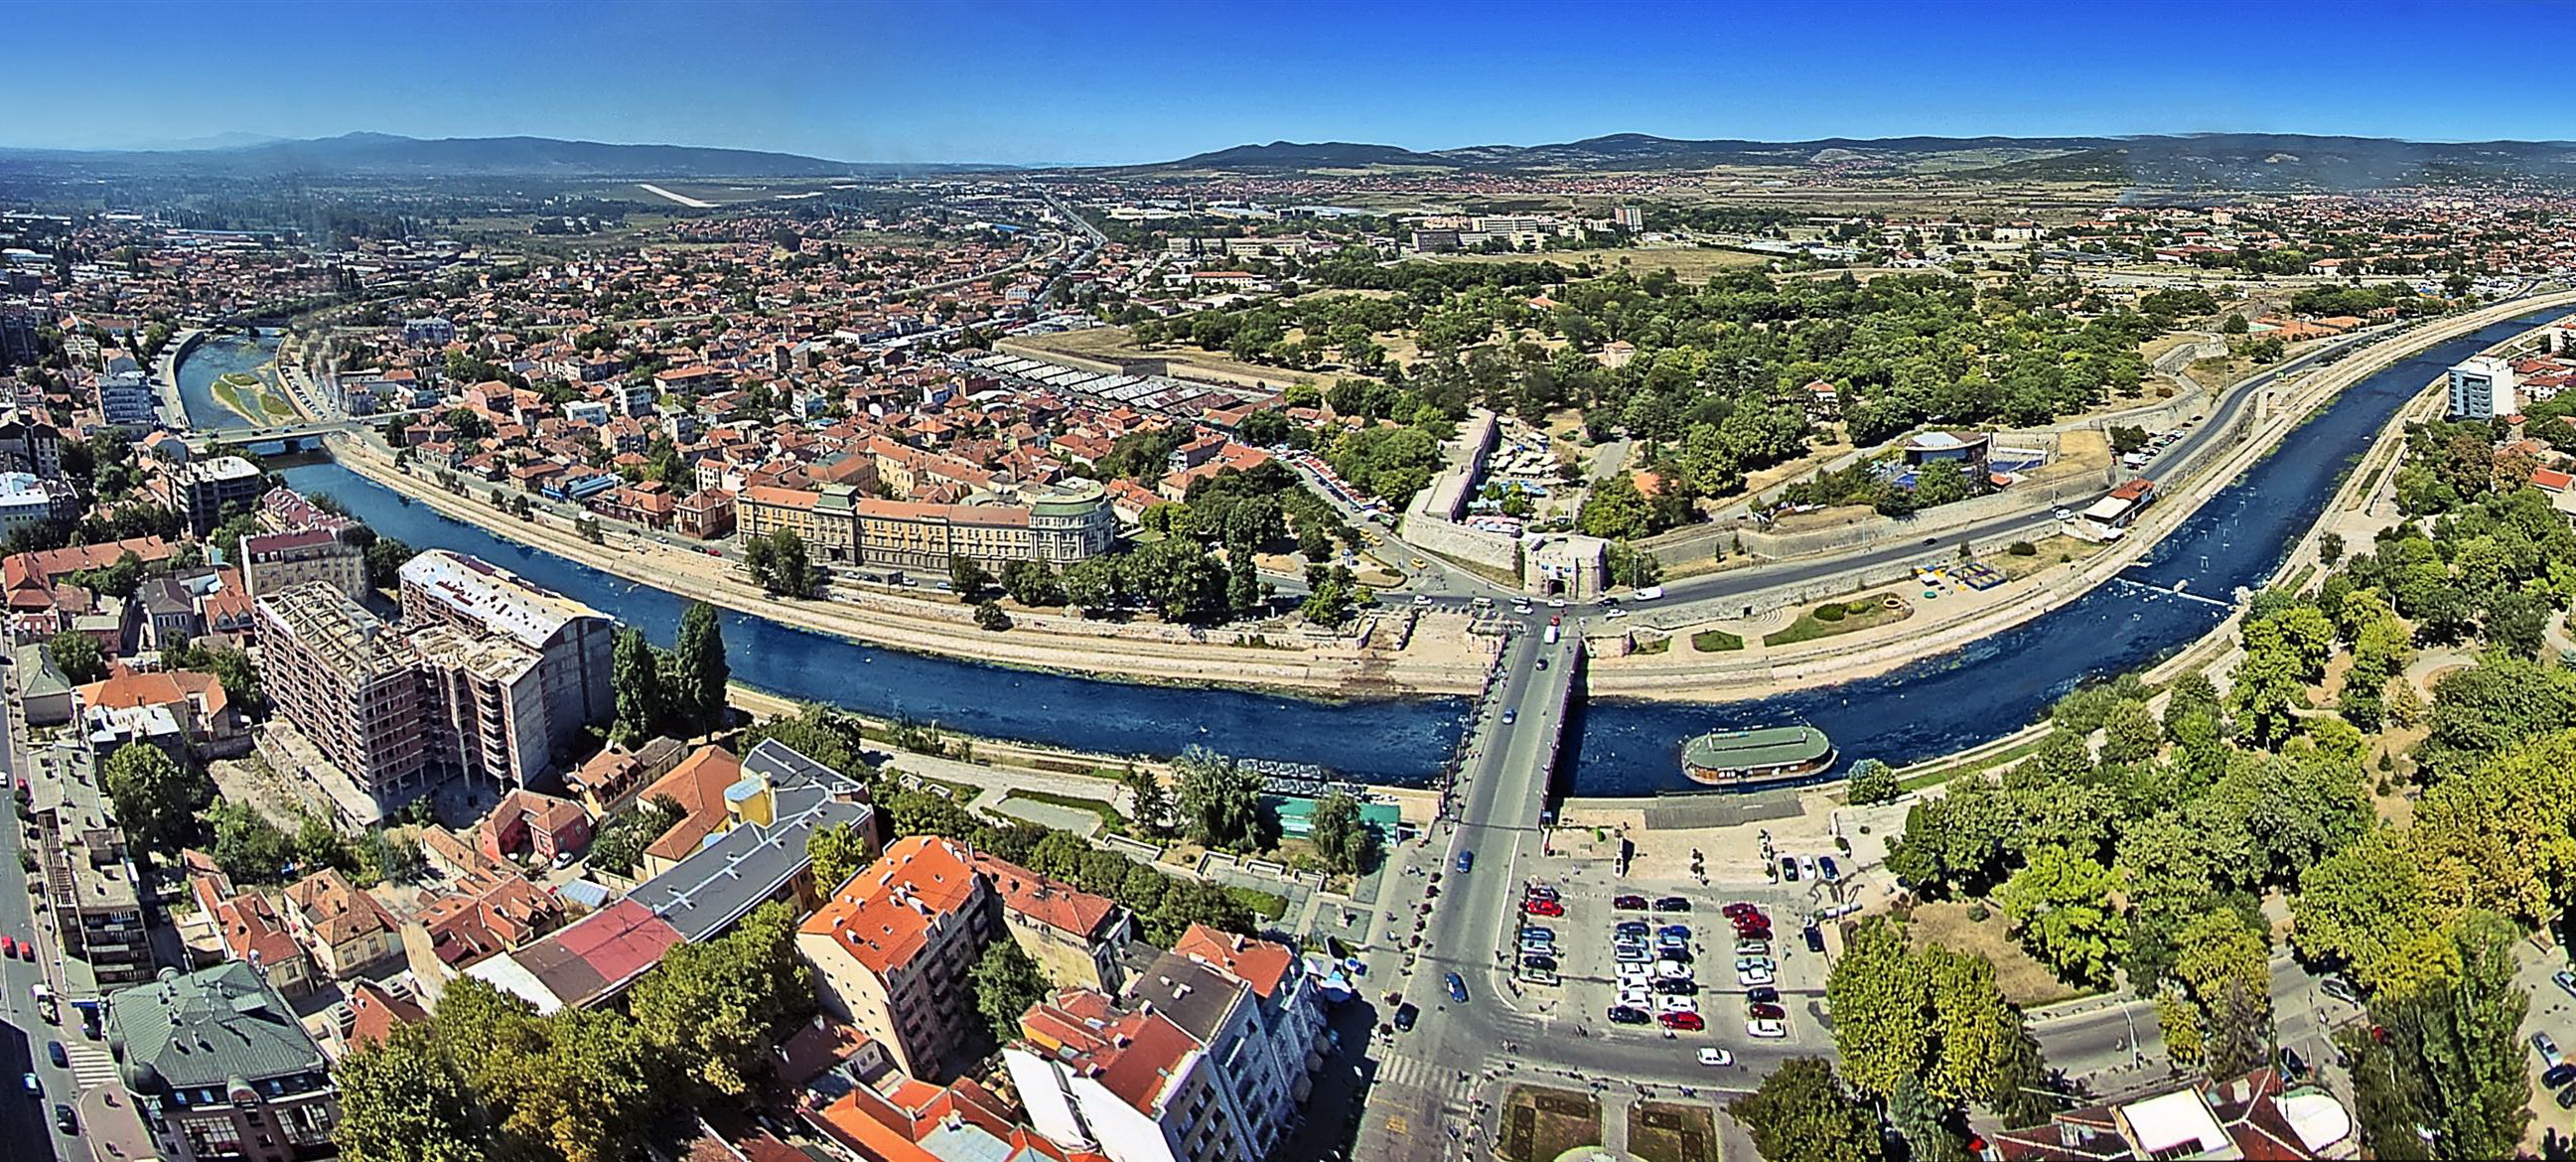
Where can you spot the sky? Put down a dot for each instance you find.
(1151, 80)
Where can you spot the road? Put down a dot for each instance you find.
(2118, 1046)
(26, 1124)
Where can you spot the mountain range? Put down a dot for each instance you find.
(384, 154)
(2216, 160)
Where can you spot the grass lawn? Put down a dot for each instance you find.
(2024, 981)
(1715, 641)
(2053, 552)
(1672, 1132)
(1661, 645)
(1541, 1123)
(1838, 617)
(1110, 819)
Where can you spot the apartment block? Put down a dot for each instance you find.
(274, 561)
(892, 948)
(351, 684)
(1076, 937)
(203, 492)
(88, 875)
(571, 640)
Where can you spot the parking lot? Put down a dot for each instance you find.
(1579, 967)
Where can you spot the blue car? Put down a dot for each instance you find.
(1466, 860)
(1457, 988)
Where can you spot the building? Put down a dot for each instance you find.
(204, 492)
(705, 514)
(220, 1070)
(571, 643)
(29, 444)
(2481, 389)
(1568, 565)
(195, 702)
(1204, 1059)
(24, 501)
(488, 708)
(352, 686)
(273, 561)
(249, 930)
(1968, 450)
(126, 399)
(548, 829)
(823, 520)
(1631, 217)
(88, 875)
(343, 928)
(892, 948)
(433, 331)
(2254, 1116)
(1076, 937)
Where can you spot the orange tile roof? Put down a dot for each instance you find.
(1132, 1053)
(162, 689)
(1051, 902)
(882, 917)
(378, 1012)
(698, 786)
(1257, 963)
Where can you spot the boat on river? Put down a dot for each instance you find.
(1760, 757)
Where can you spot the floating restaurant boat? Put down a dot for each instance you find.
(1759, 757)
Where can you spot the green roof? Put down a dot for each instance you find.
(1297, 815)
(207, 1029)
(1769, 746)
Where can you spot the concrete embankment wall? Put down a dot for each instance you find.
(1431, 522)
(1873, 530)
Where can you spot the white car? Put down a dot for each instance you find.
(1675, 1003)
(1637, 998)
(1751, 976)
(2064, 514)
(1672, 970)
(1616, 614)
(1422, 599)
(1768, 1030)
(1709, 1055)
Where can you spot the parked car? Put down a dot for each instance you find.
(1763, 996)
(1457, 987)
(1632, 928)
(1760, 948)
(1709, 1055)
(1677, 986)
(1815, 938)
(1766, 1012)
(1542, 892)
(1630, 1015)
(1673, 904)
(1830, 871)
(2548, 1050)
(2559, 1077)
(2566, 982)
(1676, 1003)
(1629, 903)
(1766, 1030)
(2294, 1069)
(1674, 931)
(1789, 868)
(1739, 910)
(1753, 973)
(1543, 908)
(1405, 1015)
(1637, 998)
(2567, 1098)
(1537, 961)
(1537, 932)
(1687, 1022)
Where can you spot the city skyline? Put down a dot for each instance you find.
(1150, 81)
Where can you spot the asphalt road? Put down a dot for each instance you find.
(26, 1122)
(2117, 1047)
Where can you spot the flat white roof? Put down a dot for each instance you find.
(2175, 1119)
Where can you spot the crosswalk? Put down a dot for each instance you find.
(91, 1066)
(1439, 1081)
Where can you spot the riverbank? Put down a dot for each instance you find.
(1397, 651)
(1962, 617)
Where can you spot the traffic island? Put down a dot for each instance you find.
(1542, 1124)
(1660, 1131)
(1841, 617)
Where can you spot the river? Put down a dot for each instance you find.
(2001, 683)
(1380, 740)
(1923, 710)
(213, 359)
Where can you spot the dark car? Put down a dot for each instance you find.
(1763, 1012)
(1457, 987)
(1541, 963)
(1789, 870)
(1673, 904)
(1765, 995)
(2294, 1069)
(1638, 928)
(54, 1049)
(1466, 860)
(2340, 989)
(1624, 1015)
(63, 1119)
(1405, 1015)
(1678, 986)
(2556, 1076)
(2567, 1098)
(1815, 938)
(1629, 903)
(1827, 868)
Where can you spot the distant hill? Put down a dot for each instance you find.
(2200, 161)
(387, 154)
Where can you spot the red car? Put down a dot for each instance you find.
(8, 947)
(1739, 910)
(1543, 908)
(1629, 903)
(1763, 1012)
(1753, 932)
(1688, 1022)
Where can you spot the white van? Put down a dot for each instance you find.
(1650, 593)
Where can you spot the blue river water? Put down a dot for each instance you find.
(2001, 683)
(214, 358)
(1380, 741)
(1932, 707)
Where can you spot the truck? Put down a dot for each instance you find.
(1551, 635)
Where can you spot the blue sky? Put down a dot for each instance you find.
(1154, 79)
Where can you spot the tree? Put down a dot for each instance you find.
(619, 843)
(636, 672)
(77, 655)
(700, 670)
(1348, 844)
(1032, 583)
(1006, 983)
(838, 852)
(1150, 802)
(715, 1010)
(989, 616)
(1872, 782)
(1327, 604)
(157, 799)
(2060, 906)
(248, 847)
(385, 559)
(403, 1099)
(1219, 802)
(2223, 967)
(1801, 1113)
(968, 577)
(2450, 1063)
